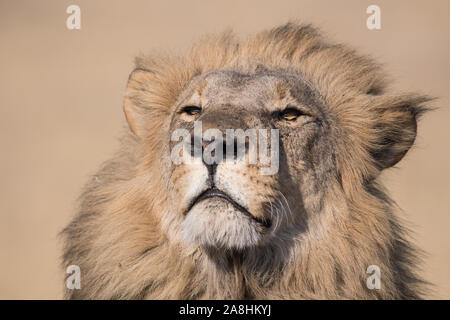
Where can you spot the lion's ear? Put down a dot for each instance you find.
(134, 105)
(396, 127)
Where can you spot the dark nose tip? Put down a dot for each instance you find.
(210, 166)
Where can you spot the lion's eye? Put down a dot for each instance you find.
(289, 114)
(191, 110)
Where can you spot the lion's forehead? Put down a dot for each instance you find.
(225, 87)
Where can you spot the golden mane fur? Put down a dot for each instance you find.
(117, 236)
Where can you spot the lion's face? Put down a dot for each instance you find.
(230, 201)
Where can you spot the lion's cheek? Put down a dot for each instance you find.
(189, 180)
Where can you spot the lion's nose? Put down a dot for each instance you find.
(210, 163)
(229, 148)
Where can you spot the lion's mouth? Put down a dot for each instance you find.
(214, 192)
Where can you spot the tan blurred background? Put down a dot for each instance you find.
(61, 98)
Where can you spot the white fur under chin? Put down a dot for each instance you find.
(217, 223)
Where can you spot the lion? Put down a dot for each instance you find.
(150, 228)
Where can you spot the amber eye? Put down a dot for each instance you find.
(289, 114)
(191, 110)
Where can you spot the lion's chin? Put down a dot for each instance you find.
(215, 222)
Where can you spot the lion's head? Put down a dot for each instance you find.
(230, 202)
(254, 160)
